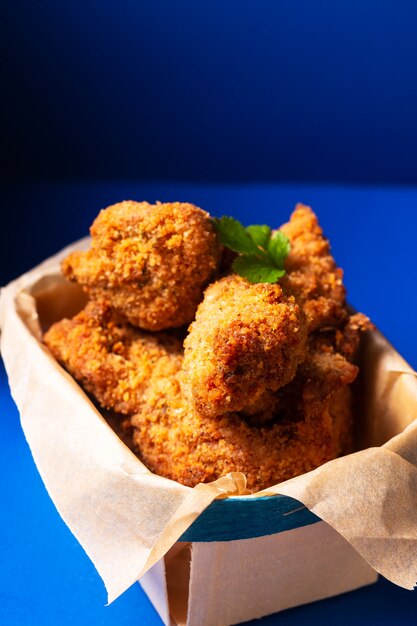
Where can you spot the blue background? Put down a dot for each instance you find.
(45, 577)
(243, 107)
(211, 90)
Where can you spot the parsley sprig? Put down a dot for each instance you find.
(261, 253)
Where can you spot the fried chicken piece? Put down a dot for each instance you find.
(134, 372)
(240, 349)
(327, 376)
(312, 275)
(112, 360)
(246, 342)
(260, 390)
(348, 337)
(151, 262)
(312, 426)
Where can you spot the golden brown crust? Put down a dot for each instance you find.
(264, 387)
(112, 360)
(151, 262)
(132, 371)
(312, 274)
(348, 336)
(311, 426)
(246, 342)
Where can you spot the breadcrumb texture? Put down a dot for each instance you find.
(313, 277)
(111, 359)
(311, 426)
(151, 262)
(263, 385)
(246, 342)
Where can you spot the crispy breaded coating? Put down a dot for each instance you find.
(312, 275)
(263, 385)
(151, 262)
(247, 341)
(347, 337)
(112, 360)
(135, 372)
(312, 426)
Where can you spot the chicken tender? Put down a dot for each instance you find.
(151, 262)
(312, 275)
(112, 360)
(246, 342)
(312, 426)
(263, 383)
(347, 337)
(137, 373)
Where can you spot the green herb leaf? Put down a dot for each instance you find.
(261, 256)
(256, 270)
(260, 235)
(279, 247)
(233, 235)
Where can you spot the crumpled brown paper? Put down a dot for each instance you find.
(127, 518)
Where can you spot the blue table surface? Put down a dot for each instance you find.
(45, 576)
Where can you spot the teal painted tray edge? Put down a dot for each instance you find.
(241, 517)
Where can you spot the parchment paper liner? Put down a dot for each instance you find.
(127, 518)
